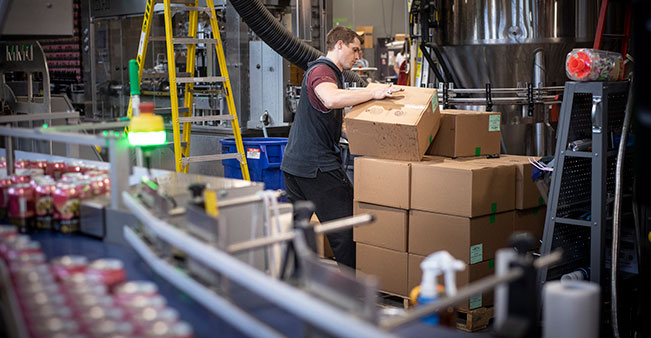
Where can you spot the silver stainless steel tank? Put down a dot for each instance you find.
(497, 42)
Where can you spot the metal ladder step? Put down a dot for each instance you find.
(205, 118)
(190, 9)
(162, 75)
(181, 2)
(168, 110)
(210, 158)
(184, 40)
(213, 79)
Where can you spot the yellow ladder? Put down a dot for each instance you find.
(183, 115)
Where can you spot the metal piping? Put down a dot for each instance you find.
(616, 211)
(265, 25)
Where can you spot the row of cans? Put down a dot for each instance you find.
(53, 168)
(33, 200)
(73, 297)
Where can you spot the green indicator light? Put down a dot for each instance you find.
(45, 125)
(150, 138)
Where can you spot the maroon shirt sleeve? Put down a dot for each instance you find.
(317, 76)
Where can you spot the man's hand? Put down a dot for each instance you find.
(382, 91)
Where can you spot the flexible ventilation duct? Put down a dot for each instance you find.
(265, 25)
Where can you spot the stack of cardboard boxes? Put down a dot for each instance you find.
(453, 199)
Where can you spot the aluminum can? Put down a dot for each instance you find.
(55, 169)
(21, 206)
(65, 199)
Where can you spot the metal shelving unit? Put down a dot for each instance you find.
(582, 187)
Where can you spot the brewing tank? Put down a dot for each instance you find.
(509, 44)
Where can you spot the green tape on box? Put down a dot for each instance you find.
(491, 263)
(476, 253)
(477, 151)
(474, 301)
(535, 211)
(491, 219)
(541, 201)
(431, 139)
(493, 208)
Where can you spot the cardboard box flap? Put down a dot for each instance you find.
(399, 128)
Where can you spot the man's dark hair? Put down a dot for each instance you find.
(342, 33)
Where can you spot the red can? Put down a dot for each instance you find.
(20, 178)
(22, 164)
(169, 330)
(74, 167)
(111, 271)
(97, 186)
(72, 177)
(85, 189)
(38, 164)
(43, 206)
(147, 317)
(111, 328)
(129, 290)
(65, 266)
(65, 199)
(55, 169)
(97, 313)
(24, 248)
(5, 183)
(21, 206)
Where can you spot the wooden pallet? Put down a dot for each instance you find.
(389, 299)
(474, 320)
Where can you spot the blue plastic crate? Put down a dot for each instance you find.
(263, 156)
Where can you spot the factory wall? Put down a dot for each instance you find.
(386, 16)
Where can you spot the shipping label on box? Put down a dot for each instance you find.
(399, 128)
(382, 182)
(462, 188)
(389, 266)
(471, 240)
(389, 230)
(467, 133)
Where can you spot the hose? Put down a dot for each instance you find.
(290, 47)
(616, 211)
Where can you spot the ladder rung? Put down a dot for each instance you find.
(182, 2)
(190, 9)
(200, 79)
(184, 40)
(209, 158)
(168, 110)
(205, 118)
(162, 75)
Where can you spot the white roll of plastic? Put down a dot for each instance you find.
(571, 309)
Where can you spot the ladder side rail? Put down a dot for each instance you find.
(189, 87)
(171, 62)
(557, 174)
(227, 88)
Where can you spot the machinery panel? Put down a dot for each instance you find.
(54, 17)
(269, 74)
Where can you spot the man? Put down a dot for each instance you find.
(312, 160)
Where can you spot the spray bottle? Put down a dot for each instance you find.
(135, 100)
(438, 263)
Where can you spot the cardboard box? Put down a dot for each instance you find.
(471, 240)
(389, 230)
(389, 266)
(462, 188)
(382, 182)
(367, 33)
(323, 248)
(527, 195)
(531, 221)
(471, 274)
(400, 37)
(467, 133)
(398, 128)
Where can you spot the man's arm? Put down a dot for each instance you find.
(335, 98)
